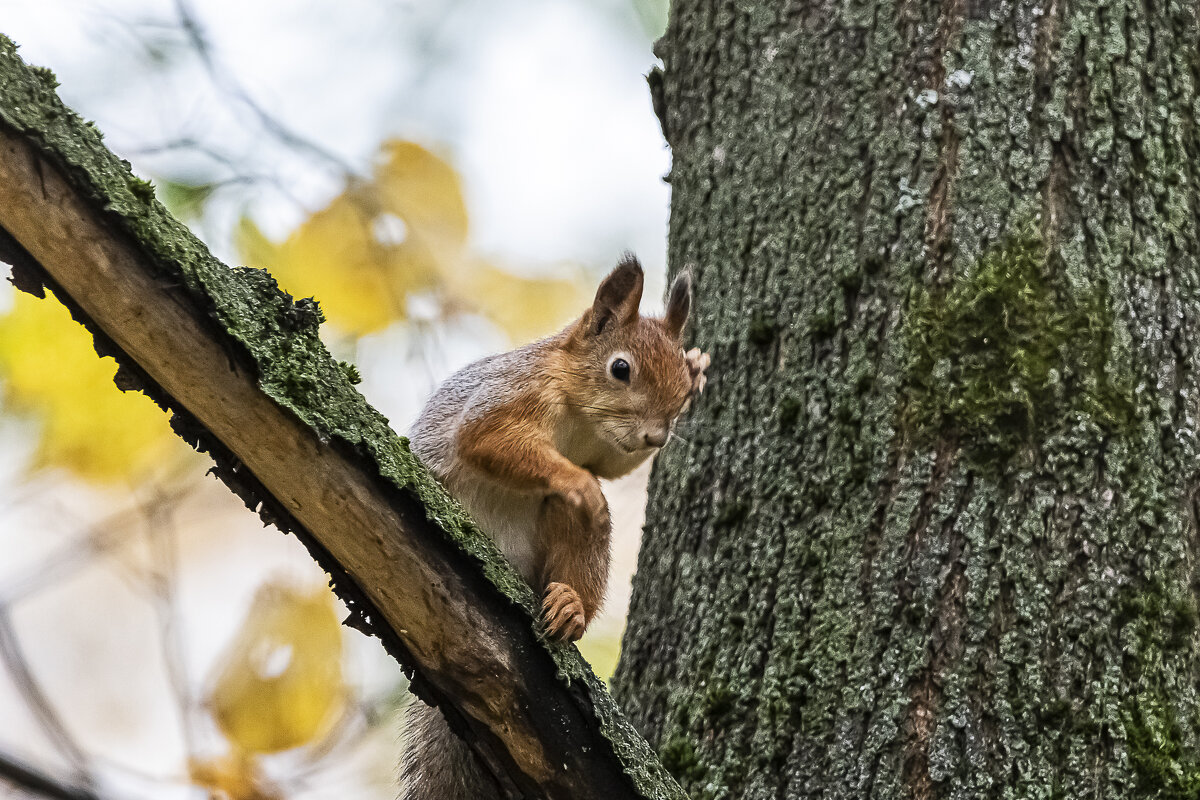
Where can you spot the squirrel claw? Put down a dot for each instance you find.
(562, 612)
(697, 362)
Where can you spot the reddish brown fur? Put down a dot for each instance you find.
(539, 440)
(521, 439)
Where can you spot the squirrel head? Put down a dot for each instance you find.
(628, 374)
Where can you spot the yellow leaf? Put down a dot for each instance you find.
(280, 684)
(50, 369)
(424, 191)
(232, 777)
(525, 308)
(375, 244)
(404, 232)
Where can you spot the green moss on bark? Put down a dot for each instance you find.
(1002, 357)
(679, 758)
(929, 595)
(1166, 768)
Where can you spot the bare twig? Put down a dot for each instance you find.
(101, 537)
(34, 782)
(163, 539)
(231, 86)
(39, 705)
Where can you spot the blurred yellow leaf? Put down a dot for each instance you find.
(280, 684)
(49, 368)
(525, 308)
(374, 244)
(401, 233)
(424, 191)
(232, 777)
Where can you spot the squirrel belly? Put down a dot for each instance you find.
(521, 440)
(506, 513)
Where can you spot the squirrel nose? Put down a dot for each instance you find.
(656, 438)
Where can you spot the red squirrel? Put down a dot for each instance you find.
(521, 439)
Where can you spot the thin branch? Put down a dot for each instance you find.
(38, 703)
(35, 782)
(163, 539)
(231, 86)
(100, 538)
(237, 177)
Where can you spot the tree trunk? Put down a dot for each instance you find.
(933, 528)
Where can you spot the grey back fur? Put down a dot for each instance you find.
(436, 764)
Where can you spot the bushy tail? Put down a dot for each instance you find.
(436, 764)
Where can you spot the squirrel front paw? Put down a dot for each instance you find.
(562, 612)
(697, 362)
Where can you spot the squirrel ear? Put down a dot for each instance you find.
(618, 297)
(679, 303)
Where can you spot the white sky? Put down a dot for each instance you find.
(541, 104)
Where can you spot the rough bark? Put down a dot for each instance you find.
(240, 367)
(933, 531)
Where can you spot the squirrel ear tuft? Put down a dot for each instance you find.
(619, 295)
(679, 303)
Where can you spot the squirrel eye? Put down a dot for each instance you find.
(620, 370)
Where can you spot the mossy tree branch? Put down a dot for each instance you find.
(239, 366)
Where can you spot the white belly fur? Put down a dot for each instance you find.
(508, 517)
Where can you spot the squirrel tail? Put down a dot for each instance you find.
(437, 765)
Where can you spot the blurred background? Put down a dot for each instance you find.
(449, 179)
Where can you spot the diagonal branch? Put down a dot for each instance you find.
(241, 369)
(37, 783)
(39, 705)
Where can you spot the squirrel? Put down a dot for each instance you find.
(521, 439)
